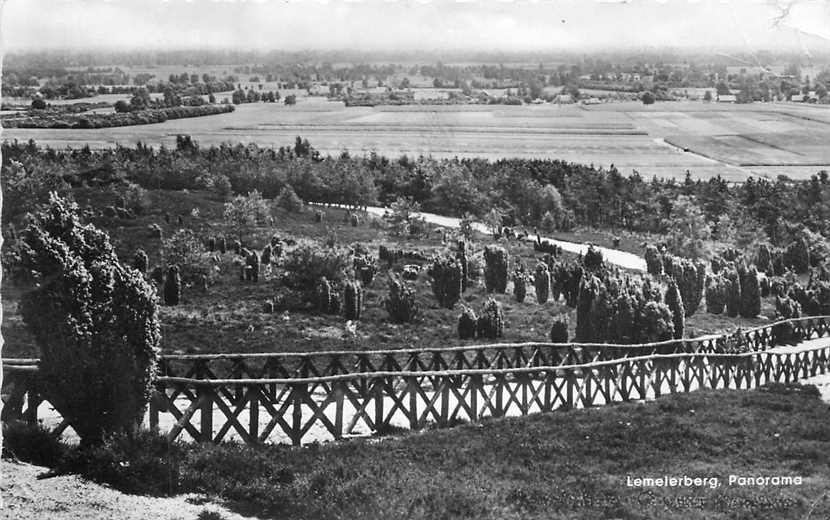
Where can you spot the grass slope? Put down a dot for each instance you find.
(564, 465)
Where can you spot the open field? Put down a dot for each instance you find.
(735, 141)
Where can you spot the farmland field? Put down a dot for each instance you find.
(665, 139)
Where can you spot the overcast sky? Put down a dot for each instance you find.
(483, 25)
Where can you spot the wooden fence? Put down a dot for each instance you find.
(258, 397)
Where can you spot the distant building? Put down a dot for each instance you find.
(563, 99)
(727, 98)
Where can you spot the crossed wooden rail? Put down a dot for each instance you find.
(258, 397)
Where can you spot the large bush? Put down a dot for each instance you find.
(94, 320)
(308, 262)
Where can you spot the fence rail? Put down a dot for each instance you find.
(260, 397)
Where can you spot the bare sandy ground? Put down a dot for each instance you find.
(24, 497)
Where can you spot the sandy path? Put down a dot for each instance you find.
(70, 497)
(613, 256)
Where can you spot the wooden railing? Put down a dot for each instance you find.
(263, 397)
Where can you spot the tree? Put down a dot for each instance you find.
(707, 96)
(245, 211)
(687, 228)
(122, 106)
(38, 104)
(140, 100)
(94, 320)
(290, 99)
(647, 98)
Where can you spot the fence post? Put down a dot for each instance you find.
(253, 418)
(378, 395)
(205, 394)
(297, 392)
(338, 409)
(445, 400)
(411, 384)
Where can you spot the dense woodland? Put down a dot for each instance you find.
(544, 194)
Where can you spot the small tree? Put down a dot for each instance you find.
(647, 98)
(94, 320)
(245, 211)
(675, 303)
(289, 201)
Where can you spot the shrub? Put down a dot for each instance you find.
(288, 200)
(675, 304)
(32, 443)
(732, 289)
(172, 286)
(787, 308)
(467, 323)
(559, 330)
(461, 256)
(146, 463)
(625, 320)
(600, 316)
(588, 289)
(541, 281)
(140, 261)
(95, 322)
(593, 259)
(447, 277)
(490, 323)
(401, 304)
(252, 267)
(715, 294)
(245, 211)
(186, 251)
(495, 270)
(352, 300)
(750, 306)
(366, 268)
(307, 263)
(519, 286)
(134, 198)
(656, 322)
(325, 297)
(797, 255)
(764, 258)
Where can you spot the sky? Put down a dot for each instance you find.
(482, 25)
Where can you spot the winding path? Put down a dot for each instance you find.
(614, 256)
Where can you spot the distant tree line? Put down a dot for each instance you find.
(553, 194)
